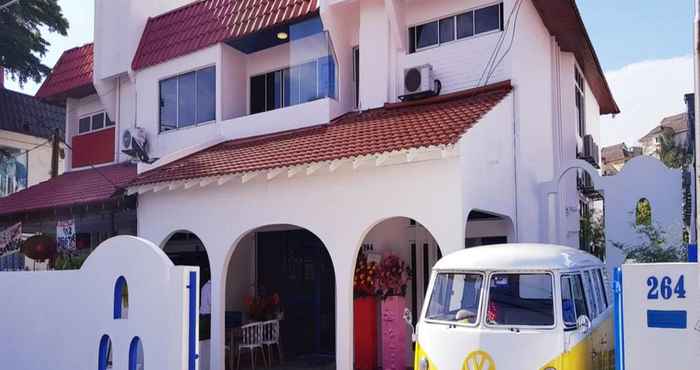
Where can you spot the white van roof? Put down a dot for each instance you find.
(524, 256)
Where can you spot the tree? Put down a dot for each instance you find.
(654, 247)
(21, 43)
(672, 154)
(592, 233)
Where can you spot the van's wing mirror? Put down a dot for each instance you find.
(583, 323)
(408, 317)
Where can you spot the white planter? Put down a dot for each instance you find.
(204, 352)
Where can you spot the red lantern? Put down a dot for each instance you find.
(39, 247)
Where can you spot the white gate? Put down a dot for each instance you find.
(658, 319)
(127, 308)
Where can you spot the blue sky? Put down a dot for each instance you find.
(644, 47)
(627, 31)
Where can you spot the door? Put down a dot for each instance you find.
(577, 343)
(296, 265)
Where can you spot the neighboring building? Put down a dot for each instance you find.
(675, 127)
(614, 157)
(90, 194)
(26, 128)
(287, 138)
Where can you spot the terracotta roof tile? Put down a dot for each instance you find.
(204, 23)
(71, 76)
(431, 122)
(71, 188)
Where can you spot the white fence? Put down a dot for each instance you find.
(57, 320)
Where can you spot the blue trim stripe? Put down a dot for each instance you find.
(192, 337)
(103, 354)
(134, 353)
(619, 320)
(667, 319)
(693, 253)
(118, 289)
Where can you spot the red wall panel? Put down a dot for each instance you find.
(93, 148)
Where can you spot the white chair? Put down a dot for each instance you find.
(251, 339)
(271, 336)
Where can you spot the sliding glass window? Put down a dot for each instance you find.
(294, 85)
(188, 99)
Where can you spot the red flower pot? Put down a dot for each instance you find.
(365, 330)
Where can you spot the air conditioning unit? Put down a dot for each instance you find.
(419, 82)
(135, 145)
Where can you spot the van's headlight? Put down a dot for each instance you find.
(424, 364)
(550, 368)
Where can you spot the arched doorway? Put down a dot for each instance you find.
(283, 274)
(410, 246)
(488, 228)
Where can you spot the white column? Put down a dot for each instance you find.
(217, 357)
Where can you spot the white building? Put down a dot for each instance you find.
(674, 127)
(283, 147)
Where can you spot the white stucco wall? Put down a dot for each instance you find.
(340, 208)
(59, 325)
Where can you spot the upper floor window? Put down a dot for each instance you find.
(94, 122)
(456, 27)
(580, 103)
(188, 99)
(294, 85)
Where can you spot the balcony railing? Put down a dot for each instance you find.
(590, 152)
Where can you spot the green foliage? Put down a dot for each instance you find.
(21, 43)
(643, 212)
(592, 234)
(672, 154)
(67, 262)
(654, 247)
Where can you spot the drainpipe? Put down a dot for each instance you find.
(55, 152)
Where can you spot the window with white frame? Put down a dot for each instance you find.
(580, 103)
(94, 122)
(187, 99)
(456, 27)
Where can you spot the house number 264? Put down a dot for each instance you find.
(665, 287)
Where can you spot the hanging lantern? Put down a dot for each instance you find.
(39, 247)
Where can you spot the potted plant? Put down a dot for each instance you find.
(365, 313)
(392, 279)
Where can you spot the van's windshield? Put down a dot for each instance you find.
(455, 298)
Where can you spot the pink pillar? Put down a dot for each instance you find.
(393, 334)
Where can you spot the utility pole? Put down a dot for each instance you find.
(55, 152)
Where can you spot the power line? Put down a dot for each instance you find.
(9, 4)
(499, 44)
(510, 45)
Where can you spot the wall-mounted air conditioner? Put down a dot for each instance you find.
(419, 82)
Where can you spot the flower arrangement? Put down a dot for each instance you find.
(365, 280)
(264, 307)
(393, 275)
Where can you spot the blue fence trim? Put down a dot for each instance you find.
(619, 320)
(134, 353)
(192, 339)
(667, 319)
(103, 353)
(118, 291)
(693, 253)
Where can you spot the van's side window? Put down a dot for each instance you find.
(599, 293)
(591, 294)
(604, 286)
(573, 299)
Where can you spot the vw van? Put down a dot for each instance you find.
(516, 307)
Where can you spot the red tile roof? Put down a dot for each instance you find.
(432, 122)
(208, 22)
(71, 76)
(71, 188)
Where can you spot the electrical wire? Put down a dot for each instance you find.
(499, 44)
(510, 45)
(23, 153)
(8, 4)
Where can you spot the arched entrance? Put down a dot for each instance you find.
(396, 244)
(283, 274)
(488, 228)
